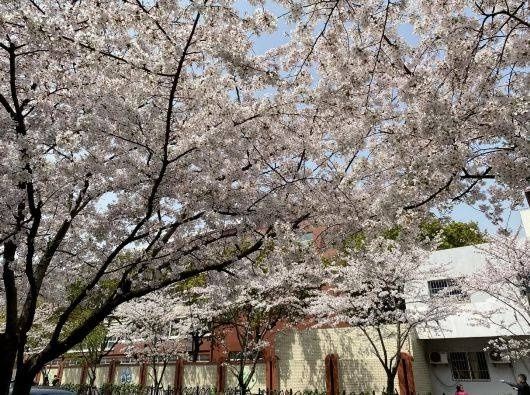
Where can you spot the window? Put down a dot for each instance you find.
(201, 357)
(55, 362)
(72, 362)
(173, 330)
(436, 286)
(129, 361)
(163, 359)
(470, 366)
(238, 355)
(235, 356)
(111, 342)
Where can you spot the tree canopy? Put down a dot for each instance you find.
(453, 234)
(142, 140)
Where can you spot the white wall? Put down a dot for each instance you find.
(525, 221)
(461, 262)
(441, 377)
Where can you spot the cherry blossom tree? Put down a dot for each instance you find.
(155, 329)
(198, 317)
(94, 347)
(143, 139)
(380, 289)
(505, 279)
(117, 165)
(255, 301)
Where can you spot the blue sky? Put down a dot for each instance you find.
(466, 213)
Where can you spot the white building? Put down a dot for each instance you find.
(456, 352)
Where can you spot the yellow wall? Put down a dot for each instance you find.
(71, 375)
(168, 379)
(200, 375)
(259, 381)
(301, 357)
(420, 366)
(102, 375)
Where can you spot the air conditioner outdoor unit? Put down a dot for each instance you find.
(438, 358)
(498, 358)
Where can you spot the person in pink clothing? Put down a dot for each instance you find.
(460, 390)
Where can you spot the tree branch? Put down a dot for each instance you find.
(431, 197)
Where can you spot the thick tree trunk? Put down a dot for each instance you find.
(196, 346)
(8, 352)
(9, 341)
(23, 379)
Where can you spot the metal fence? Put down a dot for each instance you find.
(131, 389)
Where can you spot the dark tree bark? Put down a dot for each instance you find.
(390, 385)
(196, 342)
(7, 362)
(25, 375)
(8, 339)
